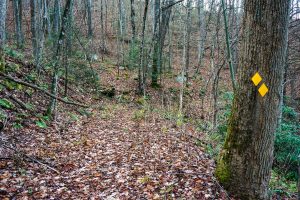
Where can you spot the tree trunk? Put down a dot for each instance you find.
(229, 53)
(103, 31)
(170, 49)
(2, 22)
(141, 67)
(56, 18)
(203, 35)
(18, 22)
(122, 18)
(122, 29)
(57, 56)
(2, 31)
(215, 70)
(132, 20)
(160, 31)
(245, 162)
(35, 26)
(68, 52)
(202, 28)
(187, 41)
(89, 17)
(46, 19)
(132, 54)
(155, 63)
(163, 29)
(40, 32)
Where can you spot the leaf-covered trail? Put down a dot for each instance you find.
(112, 157)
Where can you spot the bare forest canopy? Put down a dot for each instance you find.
(149, 99)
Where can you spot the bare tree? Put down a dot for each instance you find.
(103, 29)
(89, 18)
(202, 35)
(56, 18)
(132, 20)
(2, 22)
(156, 41)
(187, 40)
(17, 4)
(142, 47)
(57, 56)
(35, 31)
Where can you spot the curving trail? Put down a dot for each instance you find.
(112, 156)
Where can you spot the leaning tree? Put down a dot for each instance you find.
(244, 165)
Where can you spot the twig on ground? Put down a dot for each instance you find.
(29, 157)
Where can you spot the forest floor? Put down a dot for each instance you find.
(119, 148)
(112, 157)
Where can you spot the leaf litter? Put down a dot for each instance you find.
(110, 158)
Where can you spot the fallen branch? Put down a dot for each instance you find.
(30, 158)
(19, 102)
(42, 90)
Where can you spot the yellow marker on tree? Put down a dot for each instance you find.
(256, 79)
(263, 90)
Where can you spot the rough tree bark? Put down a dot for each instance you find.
(155, 63)
(18, 22)
(122, 29)
(2, 31)
(166, 12)
(2, 22)
(103, 29)
(57, 57)
(160, 30)
(56, 18)
(34, 6)
(69, 39)
(89, 18)
(200, 8)
(141, 67)
(187, 40)
(132, 20)
(46, 19)
(245, 162)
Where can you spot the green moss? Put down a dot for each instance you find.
(236, 138)
(2, 63)
(230, 130)
(223, 172)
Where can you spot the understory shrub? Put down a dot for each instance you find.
(287, 144)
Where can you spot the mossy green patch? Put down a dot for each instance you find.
(223, 172)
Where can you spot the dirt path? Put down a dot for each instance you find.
(111, 156)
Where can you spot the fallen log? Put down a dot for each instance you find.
(40, 89)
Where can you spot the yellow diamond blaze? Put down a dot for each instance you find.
(256, 79)
(263, 90)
